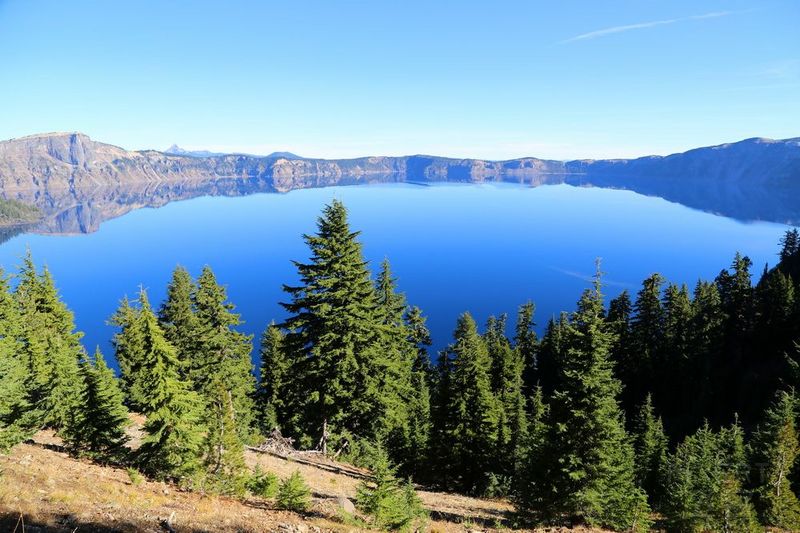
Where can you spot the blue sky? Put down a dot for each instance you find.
(497, 79)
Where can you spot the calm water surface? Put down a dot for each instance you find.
(483, 248)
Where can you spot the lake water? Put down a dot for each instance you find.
(483, 248)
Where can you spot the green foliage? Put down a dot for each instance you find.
(775, 449)
(222, 353)
(50, 349)
(650, 448)
(388, 504)
(263, 484)
(704, 484)
(274, 369)
(294, 494)
(171, 447)
(584, 468)
(15, 422)
(224, 448)
(101, 418)
(178, 320)
(129, 352)
(474, 413)
(135, 476)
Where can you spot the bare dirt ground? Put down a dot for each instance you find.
(54, 492)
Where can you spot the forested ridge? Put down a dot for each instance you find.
(672, 407)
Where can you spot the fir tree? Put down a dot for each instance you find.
(177, 317)
(389, 505)
(775, 450)
(129, 352)
(650, 448)
(647, 330)
(526, 344)
(333, 332)
(473, 410)
(294, 494)
(586, 465)
(422, 377)
(102, 416)
(439, 446)
(222, 353)
(171, 447)
(224, 448)
(50, 348)
(507, 368)
(704, 484)
(15, 421)
(272, 392)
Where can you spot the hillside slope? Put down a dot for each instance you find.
(54, 492)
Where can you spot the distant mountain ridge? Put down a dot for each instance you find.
(177, 150)
(70, 175)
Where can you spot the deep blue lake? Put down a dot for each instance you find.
(454, 247)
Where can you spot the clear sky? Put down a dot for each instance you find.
(492, 79)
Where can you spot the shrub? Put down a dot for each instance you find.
(390, 505)
(135, 477)
(263, 484)
(294, 494)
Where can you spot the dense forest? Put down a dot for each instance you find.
(672, 406)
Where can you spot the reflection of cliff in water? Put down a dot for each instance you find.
(73, 211)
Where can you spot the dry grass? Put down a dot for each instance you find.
(56, 492)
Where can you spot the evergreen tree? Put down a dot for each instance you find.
(16, 424)
(703, 484)
(224, 448)
(526, 344)
(222, 353)
(419, 409)
(177, 317)
(650, 447)
(647, 332)
(439, 446)
(171, 447)
(790, 245)
(675, 365)
(388, 504)
(294, 494)
(397, 394)
(129, 352)
(775, 450)
(507, 368)
(102, 417)
(473, 409)
(273, 395)
(333, 332)
(551, 353)
(50, 348)
(586, 465)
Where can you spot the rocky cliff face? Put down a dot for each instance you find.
(78, 182)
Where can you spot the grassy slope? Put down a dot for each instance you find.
(55, 492)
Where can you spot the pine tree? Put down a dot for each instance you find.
(790, 245)
(389, 505)
(439, 446)
(586, 465)
(775, 450)
(507, 368)
(397, 393)
(704, 484)
(526, 344)
(419, 409)
(222, 353)
(293, 493)
(647, 332)
(551, 353)
(129, 352)
(16, 423)
(50, 348)
(224, 448)
(675, 365)
(650, 448)
(333, 332)
(473, 410)
(102, 417)
(273, 396)
(171, 447)
(177, 317)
